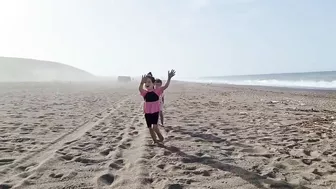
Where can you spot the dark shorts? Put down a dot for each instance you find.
(152, 119)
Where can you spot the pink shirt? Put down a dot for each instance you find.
(152, 107)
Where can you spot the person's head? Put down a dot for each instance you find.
(158, 83)
(150, 74)
(149, 82)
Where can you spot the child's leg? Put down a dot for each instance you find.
(149, 120)
(155, 126)
(158, 133)
(152, 133)
(161, 117)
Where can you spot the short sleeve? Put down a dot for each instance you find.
(159, 91)
(143, 92)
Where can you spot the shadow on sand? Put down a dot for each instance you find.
(248, 176)
(212, 138)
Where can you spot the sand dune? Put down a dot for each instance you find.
(94, 136)
(22, 70)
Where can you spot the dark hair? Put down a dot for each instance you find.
(151, 78)
(150, 74)
(158, 81)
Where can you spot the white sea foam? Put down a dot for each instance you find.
(274, 83)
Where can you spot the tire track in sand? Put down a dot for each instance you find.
(128, 161)
(32, 161)
(92, 160)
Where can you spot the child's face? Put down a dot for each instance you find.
(158, 84)
(149, 84)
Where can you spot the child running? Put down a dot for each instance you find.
(158, 84)
(152, 103)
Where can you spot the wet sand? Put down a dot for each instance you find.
(71, 135)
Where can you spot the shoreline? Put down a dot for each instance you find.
(266, 86)
(114, 81)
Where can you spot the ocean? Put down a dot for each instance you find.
(307, 80)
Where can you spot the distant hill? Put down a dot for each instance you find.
(20, 69)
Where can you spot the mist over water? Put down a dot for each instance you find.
(28, 70)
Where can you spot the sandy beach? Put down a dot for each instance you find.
(93, 135)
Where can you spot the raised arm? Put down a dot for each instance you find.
(141, 86)
(171, 74)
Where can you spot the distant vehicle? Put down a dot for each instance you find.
(124, 79)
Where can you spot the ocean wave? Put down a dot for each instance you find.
(275, 83)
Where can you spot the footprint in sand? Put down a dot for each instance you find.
(106, 152)
(35, 176)
(132, 128)
(26, 167)
(5, 148)
(125, 145)
(175, 186)
(70, 142)
(86, 161)
(105, 180)
(67, 157)
(56, 175)
(23, 175)
(6, 161)
(118, 164)
(254, 150)
(161, 166)
(134, 133)
(105, 130)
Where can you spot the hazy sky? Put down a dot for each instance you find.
(196, 37)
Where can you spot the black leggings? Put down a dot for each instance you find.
(152, 119)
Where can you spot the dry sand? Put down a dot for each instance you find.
(70, 135)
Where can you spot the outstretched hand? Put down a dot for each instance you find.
(171, 74)
(143, 79)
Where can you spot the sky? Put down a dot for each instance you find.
(194, 37)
